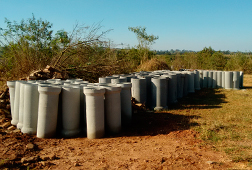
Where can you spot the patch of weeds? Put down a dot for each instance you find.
(229, 150)
(213, 136)
(235, 136)
(243, 157)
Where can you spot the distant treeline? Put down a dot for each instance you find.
(171, 52)
(209, 59)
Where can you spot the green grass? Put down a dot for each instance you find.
(224, 119)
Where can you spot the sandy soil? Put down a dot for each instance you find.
(153, 141)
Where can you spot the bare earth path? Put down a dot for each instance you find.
(154, 141)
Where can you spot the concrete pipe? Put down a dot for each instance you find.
(236, 79)
(103, 80)
(167, 88)
(112, 107)
(148, 90)
(15, 116)
(201, 78)
(95, 112)
(223, 79)
(172, 86)
(126, 107)
(219, 79)
(129, 77)
(179, 85)
(139, 89)
(118, 80)
(185, 87)
(21, 105)
(11, 85)
(83, 123)
(205, 78)
(31, 103)
(48, 110)
(159, 94)
(241, 79)
(214, 79)
(70, 111)
(210, 80)
(228, 79)
(191, 82)
(196, 80)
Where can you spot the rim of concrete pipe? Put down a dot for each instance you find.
(49, 89)
(93, 90)
(124, 85)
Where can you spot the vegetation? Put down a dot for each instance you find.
(223, 117)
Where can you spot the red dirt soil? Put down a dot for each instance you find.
(153, 141)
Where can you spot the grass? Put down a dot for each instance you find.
(224, 119)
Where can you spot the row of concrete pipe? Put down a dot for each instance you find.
(73, 107)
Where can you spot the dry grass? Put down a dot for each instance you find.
(153, 64)
(223, 118)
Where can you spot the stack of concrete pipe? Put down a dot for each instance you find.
(70, 108)
(74, 107)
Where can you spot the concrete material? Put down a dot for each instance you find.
(219, 79)
(223, 79)
(201, 78)
(119, 80)
(185, 87)
(95, 112)
(139, 89)
(21, 105)
(179, 85)
(30, 115)
(214, 79)
(15, 116)
(83, 124)
(11, 85)
(205, 78)
(228, 79)
(48, 111)
(159, 94)
(126, 107)
(148, 90)
(129, 77)
(196, 80)
(236, 80)
(241, 79)
(172, 92)
(191, 82)
(112, 107)
(70, 111)
(167, 88)
(210, 80)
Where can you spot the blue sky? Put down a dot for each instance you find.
(180, 24)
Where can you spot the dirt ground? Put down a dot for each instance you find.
(153, 141)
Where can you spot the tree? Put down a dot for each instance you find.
(26, 45)
(143, 38)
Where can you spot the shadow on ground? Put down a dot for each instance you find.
(154, 123)
(202, 99)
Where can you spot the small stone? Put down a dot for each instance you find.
(11, 127)
(7, 106)
(210, 162)
(16, 130)
(29, 159)
(43, 163)
(2, 120)
(30, 146)
(48, 157)
(6, 124)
